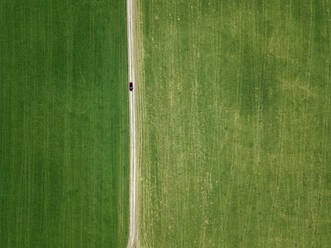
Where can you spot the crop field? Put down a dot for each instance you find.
(234, 108)
(64, 138)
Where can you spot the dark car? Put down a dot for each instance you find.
(131, 86)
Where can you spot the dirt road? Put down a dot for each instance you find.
(133, 169)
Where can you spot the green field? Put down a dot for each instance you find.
(234, 105)
(64, 138)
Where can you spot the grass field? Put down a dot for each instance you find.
(234, 123)
(64, 138)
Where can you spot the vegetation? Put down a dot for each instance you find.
(234, 117)
(64, 138)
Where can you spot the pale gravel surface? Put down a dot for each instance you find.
(133, 169)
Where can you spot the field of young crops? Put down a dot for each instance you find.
(234, 108)
(64, 130)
